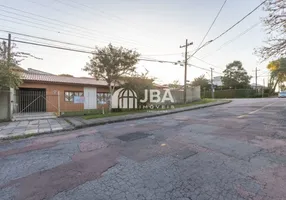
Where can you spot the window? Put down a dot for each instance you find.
(103, 98)
(69, 95)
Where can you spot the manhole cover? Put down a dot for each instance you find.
(185, 153)
(133, 136)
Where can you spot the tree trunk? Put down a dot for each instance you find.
(273, 89)
(110, 98)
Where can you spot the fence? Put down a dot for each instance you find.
(233, 93)
(25, 101)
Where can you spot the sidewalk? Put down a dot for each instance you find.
(79, 122)
(35, 127)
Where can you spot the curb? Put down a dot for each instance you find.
(122, 119)
(35, 134)
(129, 118)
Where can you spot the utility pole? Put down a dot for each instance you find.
(263, 88)
(256, 78)
(212, 85)
(256, 70)
(8, 65)
(186, 66)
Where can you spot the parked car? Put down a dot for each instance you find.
(282, 94)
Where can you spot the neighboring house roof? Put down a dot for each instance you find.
(160, 86)
(18, 69)
(254, 85)
(35, 71)
(31, 77)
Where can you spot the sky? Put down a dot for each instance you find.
(155, 28)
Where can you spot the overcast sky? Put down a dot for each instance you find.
(155, 28)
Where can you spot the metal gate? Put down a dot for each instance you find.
(30, 100)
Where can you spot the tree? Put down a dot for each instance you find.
(174, 85)
(278, 73)
(235, 76)
(66, 75)
(110, 64)
(276, 30)
(201, 81)
(138, 83)
(8, 78)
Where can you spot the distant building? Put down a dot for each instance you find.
(253, 86)
(217, 81)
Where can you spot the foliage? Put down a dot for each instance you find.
(174, 85)
(8, 78)
(276, 30)
(201, 81)
(278, 73)
(138, 83)
(110, 64)
(231, 93)
(66, 75)
(235, 76)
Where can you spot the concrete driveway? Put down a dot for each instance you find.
(232, 151)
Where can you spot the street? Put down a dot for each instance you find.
(232, 151)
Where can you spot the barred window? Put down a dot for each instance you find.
(103, 98)
(70, 95)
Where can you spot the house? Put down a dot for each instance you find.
(217, 81)
(44, 92)
(258, 86)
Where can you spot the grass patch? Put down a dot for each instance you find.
(203, 101)
(112, 114)
(129, 112)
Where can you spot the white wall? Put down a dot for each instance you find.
(4, 105)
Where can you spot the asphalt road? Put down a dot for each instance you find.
(232, 151)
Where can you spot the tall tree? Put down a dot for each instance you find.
(201, 81)
(9, 77)
(275, 23)
(110, 64)
(138, 83)
(66, 75)
(278, 73)
(174, 85)
(235, 76)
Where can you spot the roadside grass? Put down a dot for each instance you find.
(203, 101)
(130, 112)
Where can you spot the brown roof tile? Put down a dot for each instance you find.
(61, 79)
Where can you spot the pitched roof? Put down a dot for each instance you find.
(31, 77)
(35, 71)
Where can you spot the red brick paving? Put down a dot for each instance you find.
(46, 184)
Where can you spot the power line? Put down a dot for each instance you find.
(226, 31)
(193, 56)
(60, 23)
(89, 52)
(207, 63)
(204, 68)
(168, 54)
(102, 12)
(223, 33)
(212, 23)
(46, 39)
(49, 46)
(233, 39)
(47, 28)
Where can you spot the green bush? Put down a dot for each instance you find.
(231, 93)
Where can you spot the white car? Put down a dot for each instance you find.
(282, 94)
